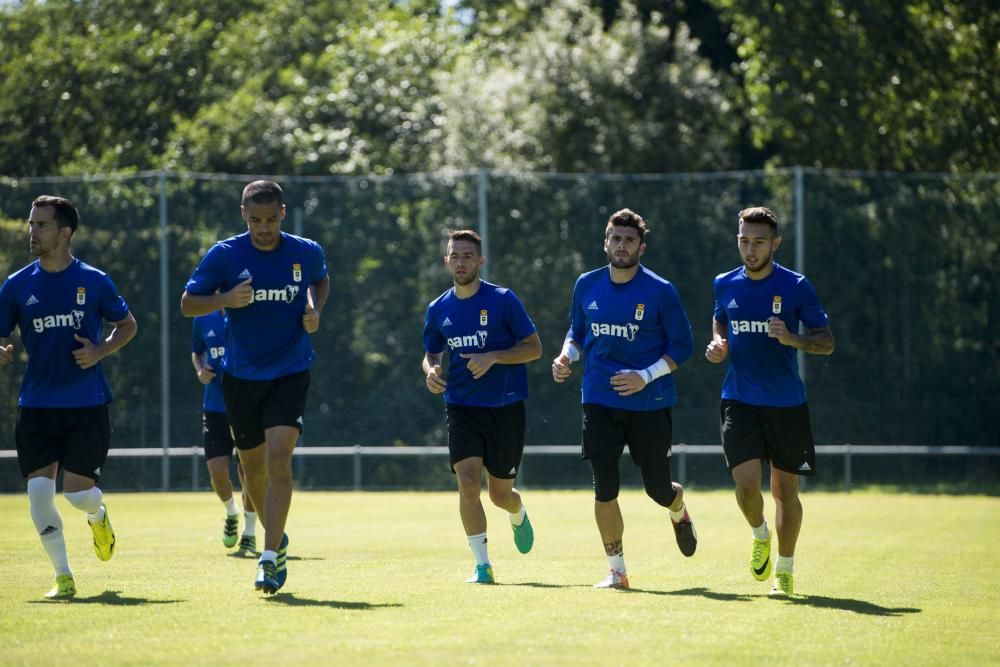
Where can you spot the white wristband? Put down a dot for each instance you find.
(571, 351)
(656, 370)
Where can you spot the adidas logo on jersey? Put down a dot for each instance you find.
(244, 275)
(31, 301)
(446, 323)
(733, 304)
(592, 306)
(71, 319)
(210, 334)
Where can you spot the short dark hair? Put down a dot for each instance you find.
(627, 218)
(263, 192)
(759, 215)
(467, 235)
(66, 213)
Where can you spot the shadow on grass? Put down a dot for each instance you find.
(292, 601)
(847, 604)
(243, 555)
(536, 584)
(700, 592)
(112, 598)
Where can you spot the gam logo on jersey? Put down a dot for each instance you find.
(71, 319)
(216, 352)
(749, 326)
(286, 294)
(478, 339)
(626, 331)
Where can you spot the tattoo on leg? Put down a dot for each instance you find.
(613, 548)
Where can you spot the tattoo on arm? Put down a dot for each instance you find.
(818, 341)
(613, 548)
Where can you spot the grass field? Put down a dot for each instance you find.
(376, 578)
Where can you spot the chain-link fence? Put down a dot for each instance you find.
(904, 265)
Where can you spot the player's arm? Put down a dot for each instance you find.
(432, 372)
(201, 368)
(6, 352)
(193, 305)
(89, 354)
(525, 350)
(315, 300)
(718, 349)
(814, 341)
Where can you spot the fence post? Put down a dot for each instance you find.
(682, 464)
(164, 337)
(847, 467)
(483, 189)
(357, 467)
(800, 247)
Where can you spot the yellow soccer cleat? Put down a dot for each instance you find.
(760, 559)
(782, 584)
(64, 589)
(229, 535)
(104, 537)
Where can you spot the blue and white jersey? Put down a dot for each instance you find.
(491, 319)
(49, 308)
(628, 326)
(761, 370)
(208, 337)
(265, 339)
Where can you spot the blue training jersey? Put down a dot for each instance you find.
(208, 334)
(265, 339)
(49, 308)
(761, 370)
(628, 326)
(491, 319)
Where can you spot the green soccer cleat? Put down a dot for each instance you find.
(64, 589)
(482, 575)
(104, 536)
(524, 535)
(248, 545)
(760, 559)
(782, 584)
(229, 531)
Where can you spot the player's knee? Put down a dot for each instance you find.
(501, 497)
(662, 494)
(469, 485)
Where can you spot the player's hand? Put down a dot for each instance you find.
(310, 319)
(435, 383)
(560, 368)
(239, 296)
(479, 363)
(776, 329)
(627, 382)
(88, 355)
(206, 375)
(6, 354)
(717, 351)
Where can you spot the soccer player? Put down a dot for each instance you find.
(208, 349)
(764, 415)
(273, 286)
(60, 304)
(629, 327)
(490, 338)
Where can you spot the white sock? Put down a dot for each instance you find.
(48, 523)
(231, 508)
(249, 524)
(269, 555)
(517, 518)
(478, 545)
(784, 564)
(761, 532)
(617, 563)
(88, 501)
(677, 516)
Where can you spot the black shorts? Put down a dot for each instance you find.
(496, 435)
(216, 436)
(782, 436)
(253, 406)
(648, 434)
(78, 438)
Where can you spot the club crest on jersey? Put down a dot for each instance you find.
(297, 272)
(483, 317)
(640, 311)
(776, 305)
(81, 295)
